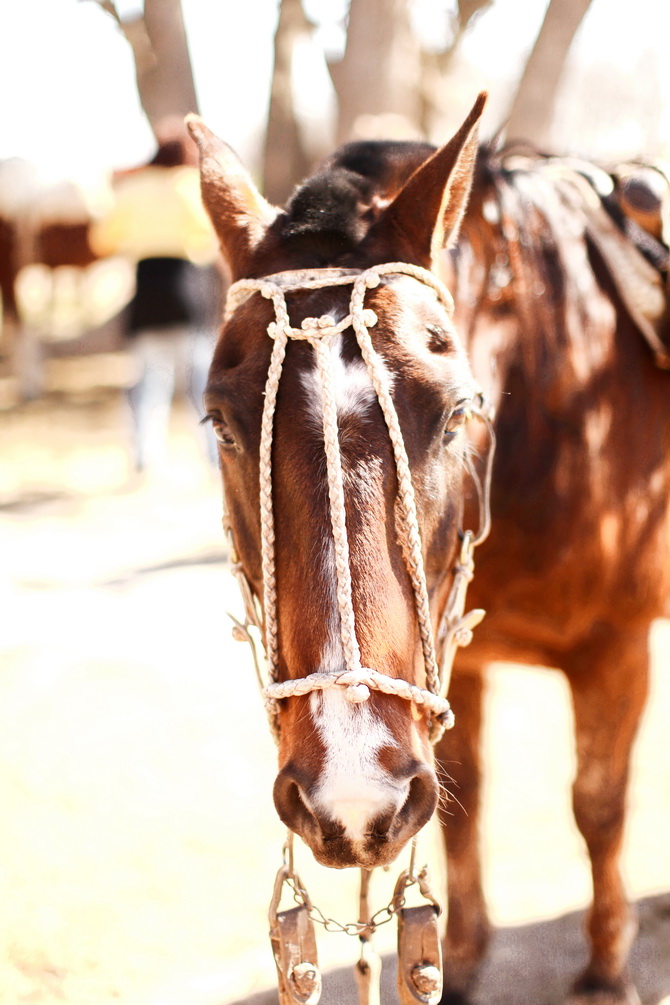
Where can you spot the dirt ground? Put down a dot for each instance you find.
(138, 842)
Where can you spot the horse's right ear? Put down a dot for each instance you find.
(239, 213)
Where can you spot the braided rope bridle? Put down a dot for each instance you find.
(455, 627)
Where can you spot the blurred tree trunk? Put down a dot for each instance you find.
(384, 73)
(436, 65)
(162, 61)
(533, 107)
(168, 87)
(285, 159)
(380, 71)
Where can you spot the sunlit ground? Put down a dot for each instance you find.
(139, 843)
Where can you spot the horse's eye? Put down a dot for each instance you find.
(221, 430)
(223, 434)
(456, 421)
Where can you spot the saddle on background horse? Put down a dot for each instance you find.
(628, 221)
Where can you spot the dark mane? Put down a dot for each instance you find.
(330, 213)
(325, 214)
(387, 164)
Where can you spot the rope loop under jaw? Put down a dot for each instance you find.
(356, 680)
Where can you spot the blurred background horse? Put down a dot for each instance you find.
(568, 330)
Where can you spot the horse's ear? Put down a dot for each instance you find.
(425, 216)
(238, 211)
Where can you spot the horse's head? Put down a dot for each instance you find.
(356, 779)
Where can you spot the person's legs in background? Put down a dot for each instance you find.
(155, 352)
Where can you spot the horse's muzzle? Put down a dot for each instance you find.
(409, 806)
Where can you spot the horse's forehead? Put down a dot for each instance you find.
(401, 305)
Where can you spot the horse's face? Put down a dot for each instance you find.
(356, 780)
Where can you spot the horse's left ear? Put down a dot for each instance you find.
(239, 213)
(425, 216)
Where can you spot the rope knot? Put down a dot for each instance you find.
(467, 571)
(356, 693)
(320, 324)
(277, 328)
(371, 279)
(445, 720)
(463, 636)
(369, 318)
(357, 684)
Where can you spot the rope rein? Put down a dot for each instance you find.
(455, 629)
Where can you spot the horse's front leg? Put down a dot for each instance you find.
(609, 683)
(459, 757)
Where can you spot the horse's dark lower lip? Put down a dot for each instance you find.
(334, 854)
(344, 854)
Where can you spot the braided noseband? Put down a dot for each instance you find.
(319, 332)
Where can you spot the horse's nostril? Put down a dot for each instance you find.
(422, 798)
(289, 802)
(404, 820)
(382, 825)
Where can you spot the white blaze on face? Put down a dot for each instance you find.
(354, 392)
(353, 789)
(352, 386)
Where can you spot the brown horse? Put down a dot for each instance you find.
(561, 298)
(577, 564)
(356, 779)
